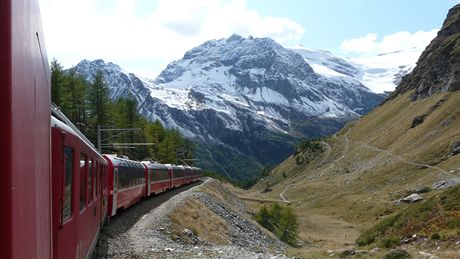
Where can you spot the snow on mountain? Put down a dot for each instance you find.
(248, 96)
(380, 73)
(383, 72)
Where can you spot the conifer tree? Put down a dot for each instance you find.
(287, 229)
(73, 100)
(263, 217)
(57, 82)
(98, 100)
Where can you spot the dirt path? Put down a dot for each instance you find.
(345, 148)
(262, 200)
(326, 156)
(442, 171)
(282, 193)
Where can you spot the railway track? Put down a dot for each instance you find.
(125, 219)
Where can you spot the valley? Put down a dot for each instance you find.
(372, 163)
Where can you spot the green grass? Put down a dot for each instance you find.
(438, 214)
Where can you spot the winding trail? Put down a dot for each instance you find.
(262, 200)
(282, 193)
(346, 145)
(323, 161)
(403, 159)
(347, 141)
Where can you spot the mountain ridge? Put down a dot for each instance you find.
(248, 95)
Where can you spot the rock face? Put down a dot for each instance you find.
(244, 100)
(438, 68)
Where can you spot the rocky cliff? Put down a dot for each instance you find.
(438, 68)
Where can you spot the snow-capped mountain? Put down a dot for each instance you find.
(381, 72)
(243, 99)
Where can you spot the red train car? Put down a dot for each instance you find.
(183, 175)
(158, 178)
(25, 185)
(126, 182)
(79, 198)
(195, 174)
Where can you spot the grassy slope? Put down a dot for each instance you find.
(357, 191)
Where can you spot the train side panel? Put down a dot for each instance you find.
(25, 188)
(78, 208)
(127, 183)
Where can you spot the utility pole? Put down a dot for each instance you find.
(99, 138)
(120, 131)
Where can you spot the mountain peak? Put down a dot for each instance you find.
(235, 37)
(241, 55)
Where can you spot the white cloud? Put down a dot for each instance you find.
(363, 44)
(75, 30)
(370, 45)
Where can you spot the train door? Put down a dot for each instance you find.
(67, 186)
(115, 190)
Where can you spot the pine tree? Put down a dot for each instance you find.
(275, 214)
(263, 218)
(73, 100)
(287, 229)
(57, 82)
(98, 100)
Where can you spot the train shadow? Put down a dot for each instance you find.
(125, 219)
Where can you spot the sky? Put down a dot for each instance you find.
(143, 36)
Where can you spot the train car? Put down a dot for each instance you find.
(183, 175)
(79, 200)
(195, 174)
(159, 178)
(126, 182)
(178, 176)
(25, 156)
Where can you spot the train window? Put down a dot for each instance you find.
(68, 173)
(83, 169)
(90, 180)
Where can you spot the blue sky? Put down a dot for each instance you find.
(328, 22)
(143, 36)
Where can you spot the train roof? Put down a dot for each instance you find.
(154, 165)
(58, 115)
(122, 162)
(56, 123)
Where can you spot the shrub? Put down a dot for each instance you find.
(398, 254)
(435, 236)
(280, 220)
(390, 242)
(455, 223)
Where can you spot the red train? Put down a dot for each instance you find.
(89, 187)
(56, 189)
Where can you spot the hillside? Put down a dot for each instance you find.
(349, 191)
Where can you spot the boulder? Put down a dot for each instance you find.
(444, 184)
(455, 148)
(414, 197)
(418, 120)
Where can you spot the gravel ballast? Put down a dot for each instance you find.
(147, 234)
